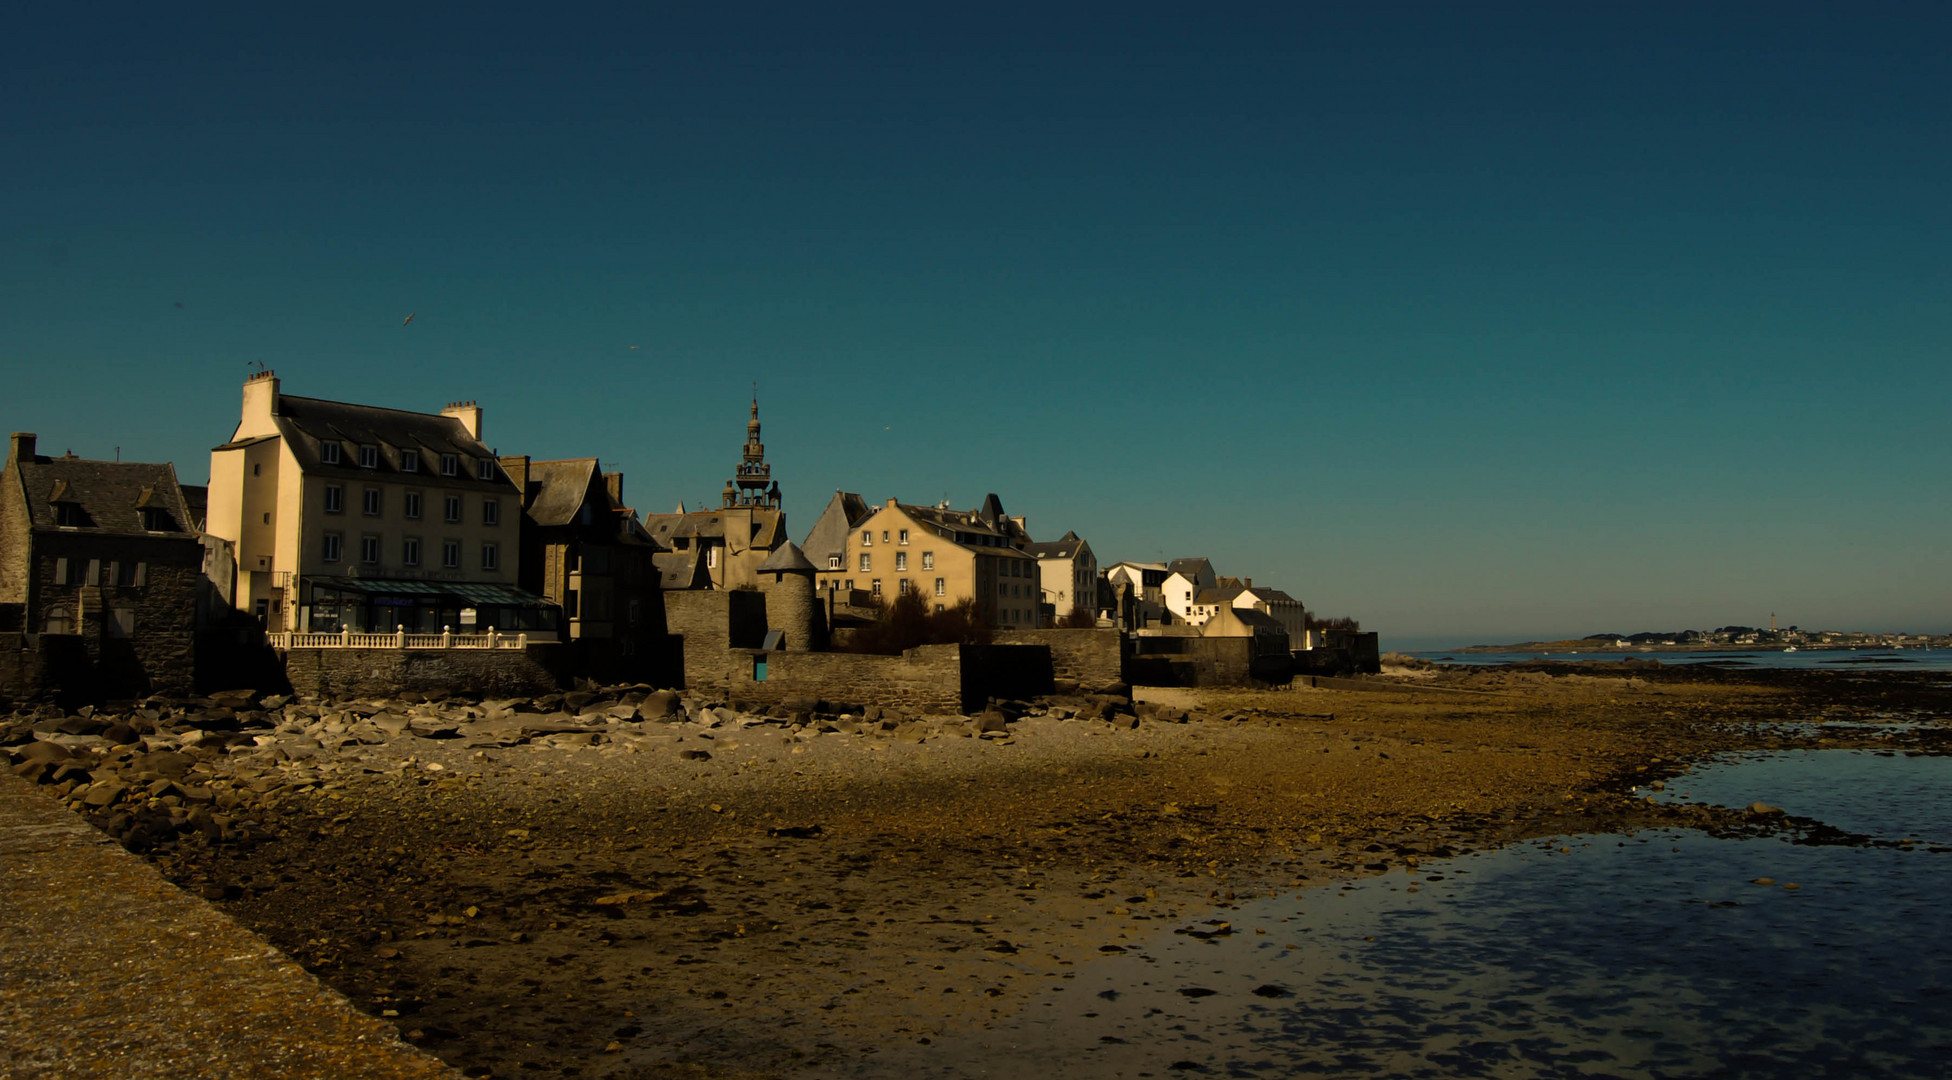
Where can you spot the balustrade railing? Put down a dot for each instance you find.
(400, 639)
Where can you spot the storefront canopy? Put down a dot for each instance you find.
(466, 592)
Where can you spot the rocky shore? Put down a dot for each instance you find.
(634, 882)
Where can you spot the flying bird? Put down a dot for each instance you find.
(409, 318)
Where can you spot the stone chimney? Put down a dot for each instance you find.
(613, 482)
(261, 396)
(468, 413)
(23, 446)
(517, 468)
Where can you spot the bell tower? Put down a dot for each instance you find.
(753, 485)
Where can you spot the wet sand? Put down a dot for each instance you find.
(796, 904)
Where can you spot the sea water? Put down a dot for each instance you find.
(1802, 659)
(1657, 954)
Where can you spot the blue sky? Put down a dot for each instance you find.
(1473, 321)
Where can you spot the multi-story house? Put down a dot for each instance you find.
(1067, 574)
(1279, 606)
(724, 548)
(944, 555)
(105, 552)
(585, 551)
(826, 543)
(369, 519)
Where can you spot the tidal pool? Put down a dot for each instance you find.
(1660, 954)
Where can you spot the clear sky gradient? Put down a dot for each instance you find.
(1477, 322)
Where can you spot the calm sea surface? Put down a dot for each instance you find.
(1660, 954)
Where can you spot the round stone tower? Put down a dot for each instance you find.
(786, 577)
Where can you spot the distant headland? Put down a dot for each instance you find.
(1722, 639)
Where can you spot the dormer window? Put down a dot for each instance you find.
(329, 453)
(369, 456)
(833, 562)
(157, 519)
(409, 461)
(67, 515)
(450, 465)
(484, 469)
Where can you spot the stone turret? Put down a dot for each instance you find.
(786, 578)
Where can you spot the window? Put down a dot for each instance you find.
(335, 498)
(867, 538)
(867, 562)
(1002, 588)
(451, 509)
(833, 562)
(156, 519)
(491, 557)
(633, 611)
(928, 560)
(330, 552)
(410, 551)
(369, 456)
(450, 465)
(369, 503)
(906, 587)
(711, 557)
(901, 560)
(409, 461)
(451, 554)
(904, 536)
(875, 586)
(59, 621)
(941, 589)
(571, 606)
(67, 515)
(257, 470)
(369, 550)
(491, 512)
(329, 453)
(131, 575)
(410, 505)
(884, 536)
(849, 586)
(484, 469)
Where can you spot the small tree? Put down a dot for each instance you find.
(907, 622)
(1078, 618)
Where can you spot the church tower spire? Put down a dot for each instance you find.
(753, 485)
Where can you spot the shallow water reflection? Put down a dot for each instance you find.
(1651, 955)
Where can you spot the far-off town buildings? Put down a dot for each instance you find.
(368, 519)
(104, 556)
(1067, 576)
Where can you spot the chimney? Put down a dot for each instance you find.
(261, 395)
(23, 446)
(613, 482)
(1249, 581)
(468, 413)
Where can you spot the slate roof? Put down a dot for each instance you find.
(1224, 595)
(680, 570)
(560, 489)
(786, 558)
(1270, 596)
(1255, 621)
(308, 423)
(111, 495)
(663, 528)
(1189, 567)
(948, 523)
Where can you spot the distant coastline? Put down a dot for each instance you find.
(1587, 645)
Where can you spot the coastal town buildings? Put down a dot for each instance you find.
(103, 555)
(368, 519)
(826, 543)
(583, 550)
(944, 555)
(725, 547)
(1067, 576)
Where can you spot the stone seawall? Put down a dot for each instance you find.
(375, 672)
(1094, 658)
(926, 679)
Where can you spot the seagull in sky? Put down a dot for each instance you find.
(409, 318)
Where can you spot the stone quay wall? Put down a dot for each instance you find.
(379, 672)
(1092, 658)
(925, 679)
